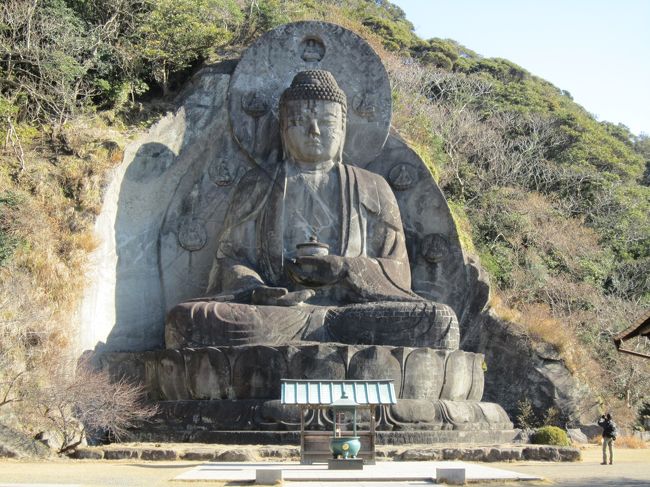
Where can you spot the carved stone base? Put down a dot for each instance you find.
(230, 393)
(255, 421)
(254, 371)
(255, 414)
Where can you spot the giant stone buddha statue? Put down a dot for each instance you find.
(312, 249)
(303, 239)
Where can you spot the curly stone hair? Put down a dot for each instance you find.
(314, 84)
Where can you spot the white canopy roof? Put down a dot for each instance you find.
(325, 392)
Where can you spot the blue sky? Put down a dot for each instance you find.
(598, 50)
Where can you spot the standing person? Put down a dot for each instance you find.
(609, 435)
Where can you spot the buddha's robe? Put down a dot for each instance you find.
(355, 212)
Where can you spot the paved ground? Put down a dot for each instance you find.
(384, 471)
(631, 469)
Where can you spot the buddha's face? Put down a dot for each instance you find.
(313, 130)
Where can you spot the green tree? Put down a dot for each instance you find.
(176, 33)
(45, 52)
(263, 15)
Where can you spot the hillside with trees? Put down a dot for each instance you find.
(555, 203)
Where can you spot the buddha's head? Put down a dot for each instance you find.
(312, 118)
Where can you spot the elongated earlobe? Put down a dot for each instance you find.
(339, 155)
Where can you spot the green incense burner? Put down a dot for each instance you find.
(345, 446)
(342, 445)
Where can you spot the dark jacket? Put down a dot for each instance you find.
(609, 427)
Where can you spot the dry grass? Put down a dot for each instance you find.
(502, 310)
(632, 442)
(595, 440)
(537, 321)
(52, 203)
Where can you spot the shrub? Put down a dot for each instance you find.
(550, 435)
(77, 402)
(437, 59)
(526, 418)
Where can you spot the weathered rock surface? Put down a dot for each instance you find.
(88, 454)
(158, 454)
(198, 455)
(275, 452)
(551, 453)
(577, 436)
(405, 453)
(121, 453)
(492, 454)
(591, 430)
(14, 444)
(519, 368)
(237, 456)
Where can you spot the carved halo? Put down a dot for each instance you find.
(268, 66)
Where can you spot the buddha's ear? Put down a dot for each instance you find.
(283, 144)
(344, 117)
(339, 156)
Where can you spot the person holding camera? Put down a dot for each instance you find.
(609, 436)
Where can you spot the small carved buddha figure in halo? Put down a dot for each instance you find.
(312, 249)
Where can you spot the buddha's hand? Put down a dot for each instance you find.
(279, 296)
(318, 270)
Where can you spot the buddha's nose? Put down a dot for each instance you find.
(313, 128)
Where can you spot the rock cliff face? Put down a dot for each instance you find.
(165, 197)
(14, 444)
(518, 368)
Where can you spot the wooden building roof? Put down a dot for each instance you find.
(640, 327)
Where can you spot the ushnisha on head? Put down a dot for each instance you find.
(312, 118)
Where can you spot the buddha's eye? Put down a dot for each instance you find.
(293, 122)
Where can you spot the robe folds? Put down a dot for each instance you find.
(371, 304)
(251, 250)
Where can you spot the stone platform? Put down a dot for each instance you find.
(231, 394)
(184, 432)
(382, 471)
(259, 421)
(481, 452)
